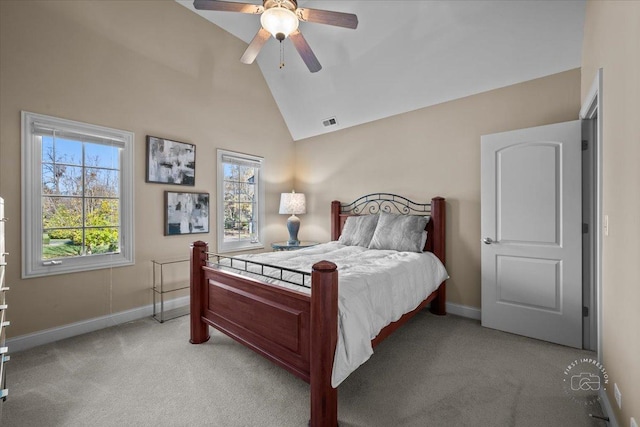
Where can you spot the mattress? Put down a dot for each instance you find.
(375, 288)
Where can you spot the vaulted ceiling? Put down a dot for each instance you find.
(407, 55)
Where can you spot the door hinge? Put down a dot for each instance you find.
(585, 311)
(585, 145)
(585, 228)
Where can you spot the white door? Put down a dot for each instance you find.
(532, 232)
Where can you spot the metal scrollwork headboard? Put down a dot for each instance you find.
(385, 202)
(392, 203)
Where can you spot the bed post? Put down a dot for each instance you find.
(324, 338)
(438, 215)
(199, 329)
(335, 220)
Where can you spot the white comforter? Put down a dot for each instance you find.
(375, 288)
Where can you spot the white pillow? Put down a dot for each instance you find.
(399, 232)
(358, 230)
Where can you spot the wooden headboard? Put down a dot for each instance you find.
(392, 203)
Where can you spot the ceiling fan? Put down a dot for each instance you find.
(280, 18)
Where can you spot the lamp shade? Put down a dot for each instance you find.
(279, 21)
(293, 203)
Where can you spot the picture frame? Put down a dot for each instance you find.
(186, 213)
(170, 162)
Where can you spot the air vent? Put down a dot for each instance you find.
(331, 121)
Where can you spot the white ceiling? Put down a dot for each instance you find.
(407, 55)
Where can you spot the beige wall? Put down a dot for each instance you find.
(429, 152)
(612, 42)
(148, 67)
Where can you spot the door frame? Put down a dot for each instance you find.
(592, 110)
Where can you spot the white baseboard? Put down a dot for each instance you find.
(47, 336)
(463, 310)
(608, 409)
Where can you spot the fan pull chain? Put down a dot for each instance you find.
(281, 55)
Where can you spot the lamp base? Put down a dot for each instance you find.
(293, 225)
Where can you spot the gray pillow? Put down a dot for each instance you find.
(358, 230)
(399, 232)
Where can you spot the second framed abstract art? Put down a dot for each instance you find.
(186, 213)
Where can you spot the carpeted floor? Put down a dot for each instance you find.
(435, 371)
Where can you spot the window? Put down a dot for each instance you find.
(240, 202)
(77, 196)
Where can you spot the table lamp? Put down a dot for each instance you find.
(293, 204)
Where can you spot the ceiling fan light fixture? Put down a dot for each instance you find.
(279, 21)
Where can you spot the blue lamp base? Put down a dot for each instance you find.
(293, 225)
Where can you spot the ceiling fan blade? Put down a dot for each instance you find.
(228, 6)
(339, 19)
(254, 47)
(305, 51)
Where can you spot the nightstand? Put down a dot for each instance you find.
(284, 246)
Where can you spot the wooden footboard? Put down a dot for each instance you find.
(275, 322)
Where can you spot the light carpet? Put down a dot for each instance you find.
(435, 371)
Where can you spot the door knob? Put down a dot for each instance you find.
(487, 240)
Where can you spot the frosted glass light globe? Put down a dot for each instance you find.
(279, 21)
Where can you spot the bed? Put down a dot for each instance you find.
(294, 329)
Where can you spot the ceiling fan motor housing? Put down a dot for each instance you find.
(292, 5)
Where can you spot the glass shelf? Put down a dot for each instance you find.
(284, 246)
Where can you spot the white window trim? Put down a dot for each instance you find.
(240, 245)
(32, 263)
